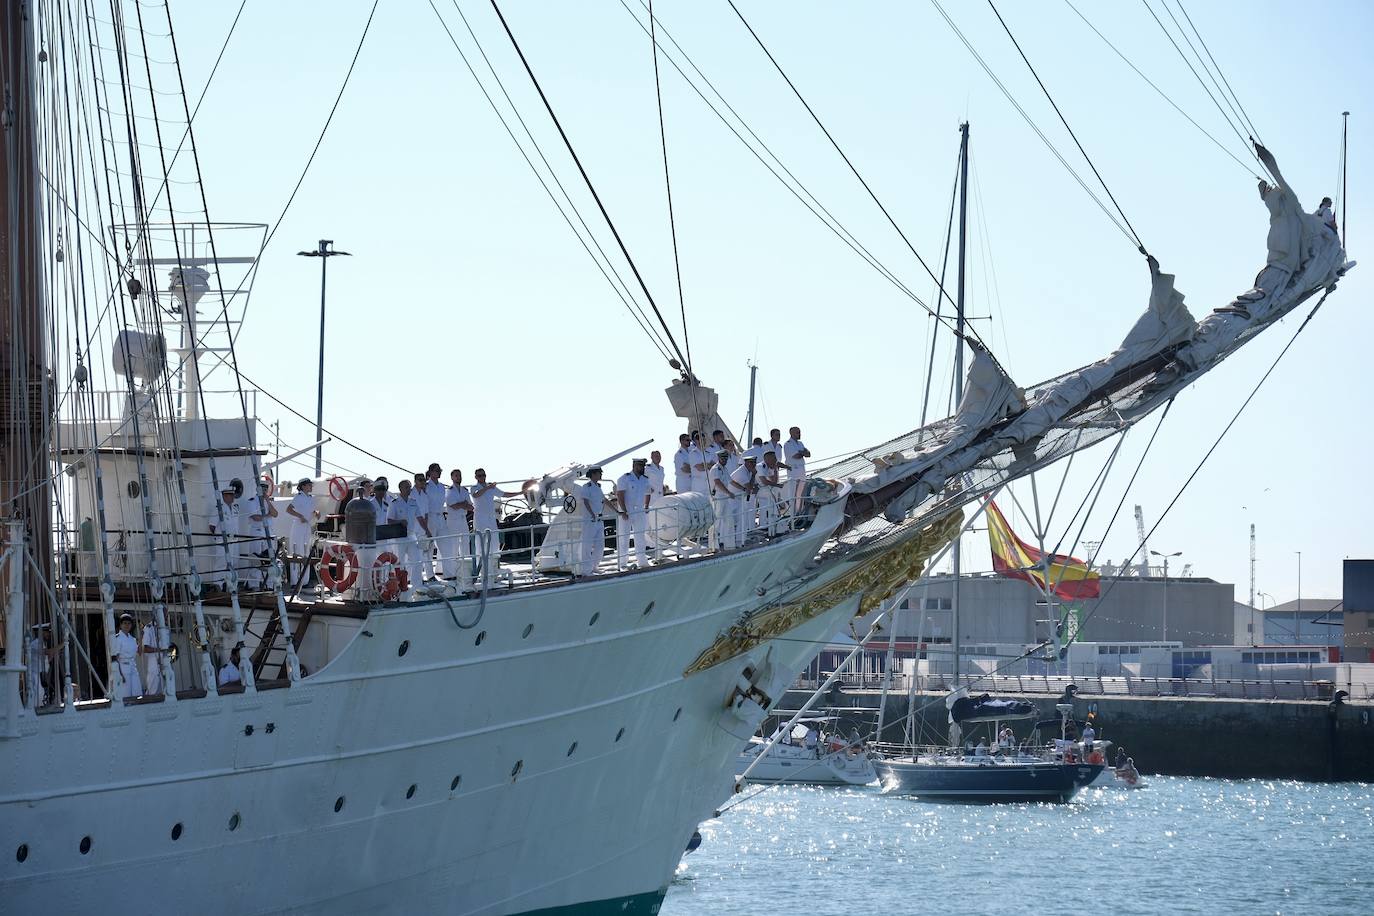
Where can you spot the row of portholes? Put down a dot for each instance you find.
(22, 853)
(529, 628)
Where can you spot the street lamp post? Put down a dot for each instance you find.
(1297, 618)
(324, 253)
(1272, 602)
(1165, 557)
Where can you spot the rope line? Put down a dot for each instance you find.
(1227, 83)
(1063, 120)
(668, 187)
(548, 106)
(852, 168)
(1161, 92)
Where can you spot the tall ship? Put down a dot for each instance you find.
(541, 735)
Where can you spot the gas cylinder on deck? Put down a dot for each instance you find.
(360, 522)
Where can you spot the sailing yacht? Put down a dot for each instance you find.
(541, 743)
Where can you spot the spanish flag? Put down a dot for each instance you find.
(1012, 557)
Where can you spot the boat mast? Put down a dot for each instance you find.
(959, 370)
(749, 424)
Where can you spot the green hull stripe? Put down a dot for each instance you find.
(637, 905)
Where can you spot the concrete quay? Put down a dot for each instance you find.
(1310, 740)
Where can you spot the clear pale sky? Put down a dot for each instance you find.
(471, 328)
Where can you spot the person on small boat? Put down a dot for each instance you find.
(1089, 736)
(982, 749)
(1130, 775)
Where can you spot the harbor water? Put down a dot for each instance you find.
(1177, 846)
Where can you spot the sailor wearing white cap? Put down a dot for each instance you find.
(632, 493)
(794, 455)
(380, 500)
(744, 480)
(155, 643)
(226, 521)
(124, 653)
(456, 549)
(723, 504)
(769, 490)
(593, 532)
(260, 510)
(405, 508)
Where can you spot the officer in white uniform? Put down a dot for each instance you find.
(723, 504)
(794, 455)
(423, 527)
(437, 494)
(38, 665)
(744, 480)
(405, 508)
(155, 643)
(632, 504)
(124, 653)
(302, 513)
(702, 462)
(593, 545)
(458, 551)
(484, 517)
(657, 475)
(380, 500)
(228, 521)
(260, 511)
(769, 490)
(735, 458)
(682, 465)
(229, 674)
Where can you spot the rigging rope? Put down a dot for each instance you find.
(969, 329)
(1053, 104)
(607, 270)
(668, 186)
(1161, 92)
(548, 106)
(1115, 220)
(1250, 125)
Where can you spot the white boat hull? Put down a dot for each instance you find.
(564, 764)
(800, 766)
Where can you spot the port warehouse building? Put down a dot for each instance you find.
(1141, 626)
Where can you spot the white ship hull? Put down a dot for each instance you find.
(583, 760)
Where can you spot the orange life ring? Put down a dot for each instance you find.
(391, 587)
(338, 567)
(271, 484)
(338, 487)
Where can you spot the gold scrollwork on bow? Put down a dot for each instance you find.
(873, 579)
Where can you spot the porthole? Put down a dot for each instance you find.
(515, 770)
(677, 714)
(176, 832)
(234, 821)
(338, 804)
(595, 618)
(481, 637)
(620, 734)
(85, 845)
(453, 786)
(403, 648)
(571, 749)
(134, 490)
(647, 608)
(22, 852)
(410, 793)
(721, 593)
(529, 628)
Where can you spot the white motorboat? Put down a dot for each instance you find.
(808, 755)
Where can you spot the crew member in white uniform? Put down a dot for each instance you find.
(702, 462)
(437, 494)
(484, 516)
(229, 674)
(744, 480)
(124, 653)
(593, 545)
(657, 475)
(381, 501)
(260, 511)
(39, 665)
(405, 508)
(682, 465)
(155, 643)
(769, 491)
(423, 527)
(226, 520)
(302, 513)
(723, 504)
(794, 455)
(632, 504)
(458, 551)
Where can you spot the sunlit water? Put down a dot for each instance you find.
(1177, 846)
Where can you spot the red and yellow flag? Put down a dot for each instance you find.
(1012, 557)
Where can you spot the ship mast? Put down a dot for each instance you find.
(959, 373)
